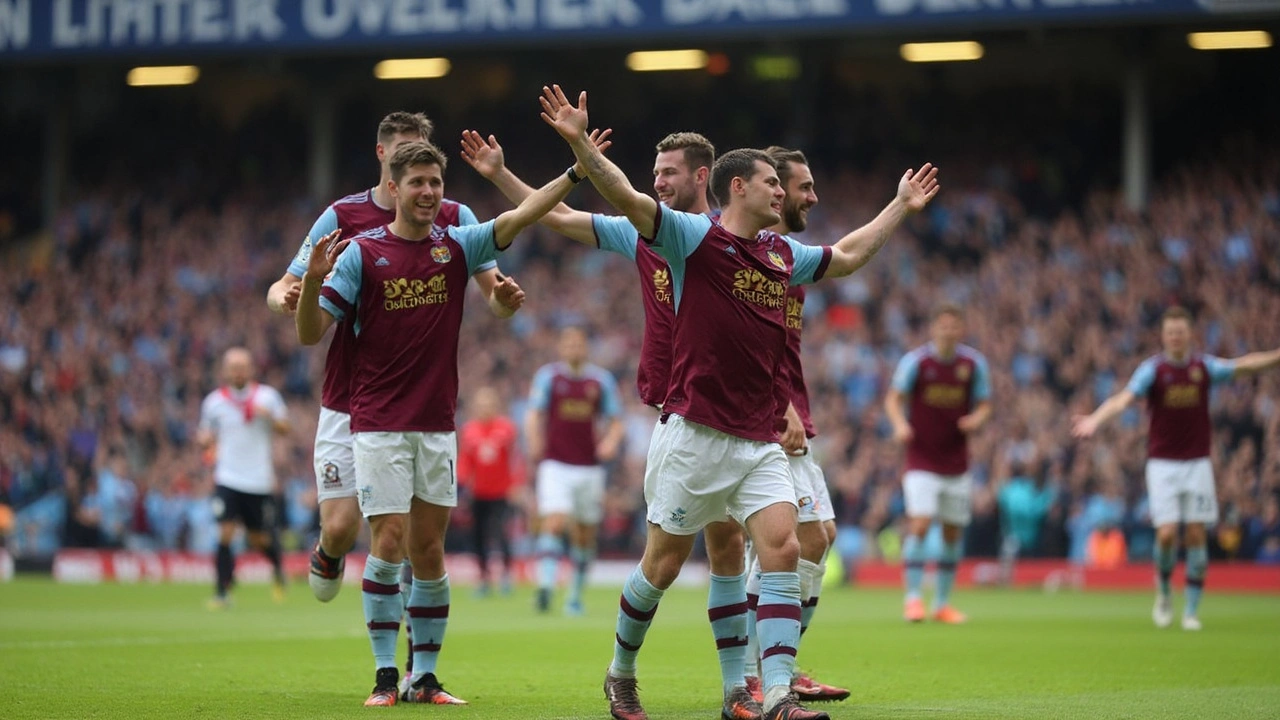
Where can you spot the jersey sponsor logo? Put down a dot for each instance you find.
(1196, 374)
(777, 260)
(795, 314)
(441, 254)
(575, 409)
(944, 395)
(754, 287)
(382, 262)
(332, 478)
(662, 286)
(962, 373)
(409, 293)
(1182, 395)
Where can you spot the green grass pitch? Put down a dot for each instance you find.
(153, 651)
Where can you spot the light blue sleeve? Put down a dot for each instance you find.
(325, 224)
(615, 234)
(478, 243)
(1143, 378)
(341, 290)
(679, 233)
(904, 377)
(981, 380)
(467, 216)
(809, 264)
(540, 388)
(1220, 369)
(610, 402)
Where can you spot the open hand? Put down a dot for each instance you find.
(559, 113)
(916, 189)
(1083, 426)
(324, 253)
(485, 157)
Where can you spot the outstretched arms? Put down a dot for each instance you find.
(915, 190)
(571, 122)
(1255, 363)
(1084, 426)
(487, 158)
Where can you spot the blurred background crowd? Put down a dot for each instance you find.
(113, 317)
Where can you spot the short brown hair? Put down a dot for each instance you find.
(416, 153)
(400, 122)
(784, 158)
(948, 308)
(698, 150)
(1177, 312)
(735, 163)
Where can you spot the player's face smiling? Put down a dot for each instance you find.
(764, 195)
(673, 180)
(419, 192)
(800, 197)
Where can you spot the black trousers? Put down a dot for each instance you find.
(490, 522)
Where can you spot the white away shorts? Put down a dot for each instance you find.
(1181, 491)
(945, 497)
(696, 475)
(392, 468)
(335, 461)
(811, 489)
(573, 490)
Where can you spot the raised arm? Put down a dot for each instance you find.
(1255, 363)
(310, 320)
(487, 158)
(856, 249)
(509, 224)
(571, 123)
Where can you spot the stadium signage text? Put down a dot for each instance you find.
(41, 28)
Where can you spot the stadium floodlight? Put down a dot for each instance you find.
(152, 76)
(412, 68)
(1234, 40)
(941, 51)
(657, 60)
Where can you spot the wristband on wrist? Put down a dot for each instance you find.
(574, 177)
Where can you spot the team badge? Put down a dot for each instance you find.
(962, 373)
(777, 260)
(1196, 375)
(441, 254)
(678, 516)
(332, 478)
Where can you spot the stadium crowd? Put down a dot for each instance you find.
(113, 325)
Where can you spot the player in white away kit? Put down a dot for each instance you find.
(1180, 489)
(241, 418)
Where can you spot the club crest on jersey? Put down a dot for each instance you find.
(441, 254)
(1196, 375)
(962, 373)
(777, 260)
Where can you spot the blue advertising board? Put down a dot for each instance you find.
(31, 29)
